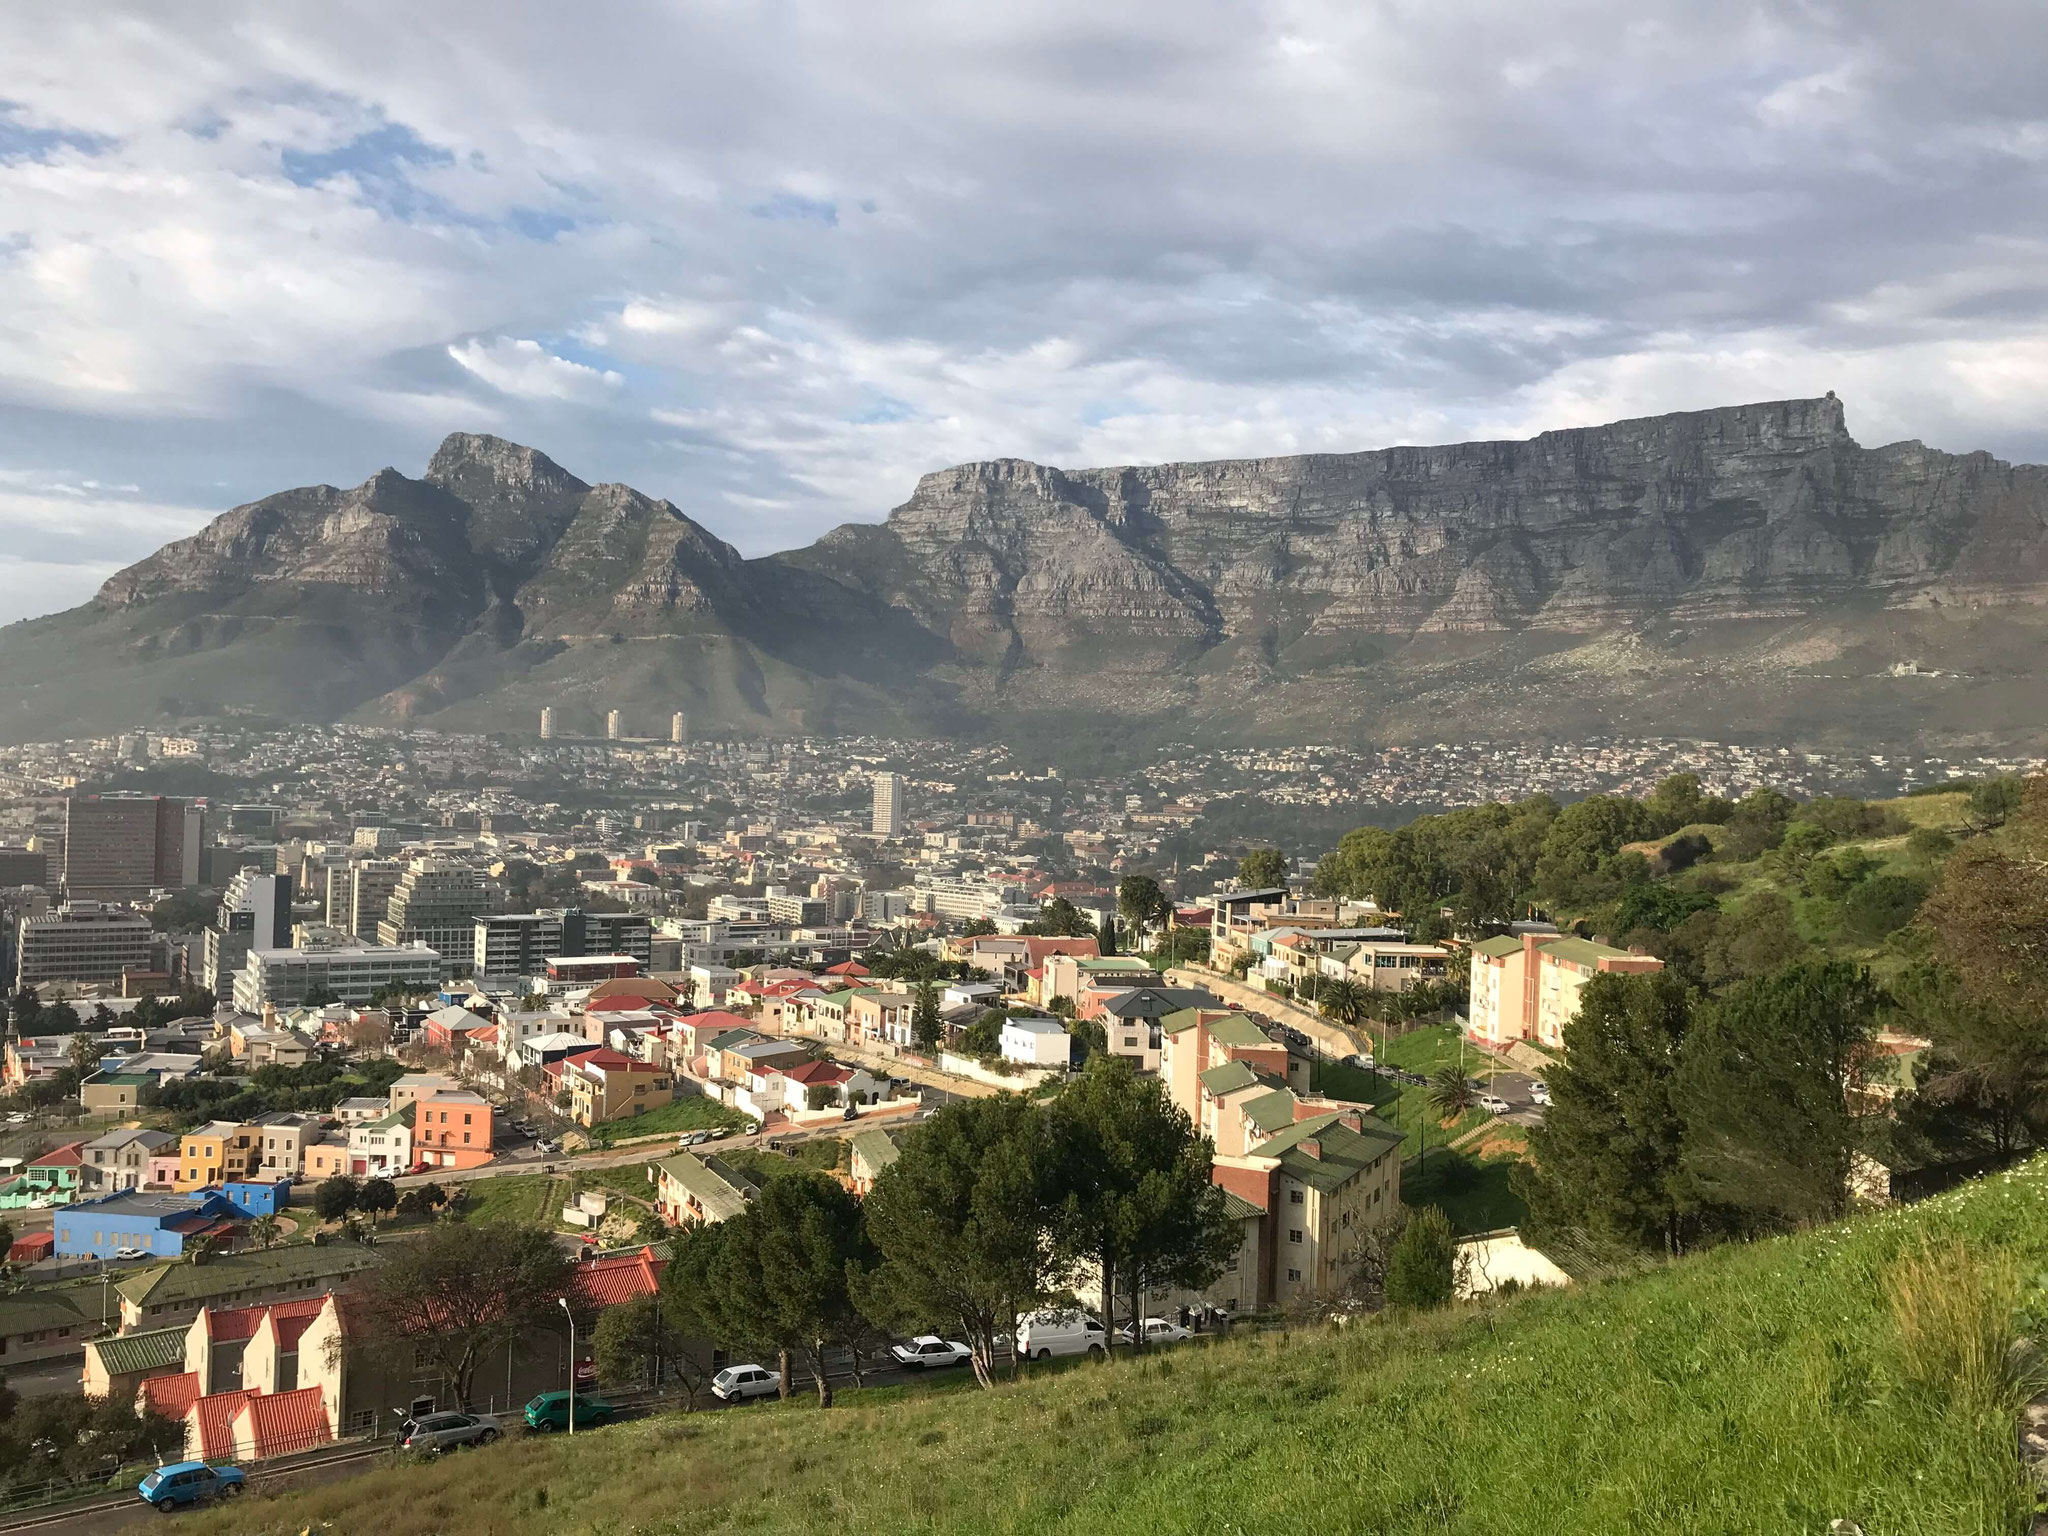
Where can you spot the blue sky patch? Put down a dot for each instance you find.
(21, 141)
(787, 207)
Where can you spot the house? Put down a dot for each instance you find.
(118, 1365)
(284, 1135)
(709, 984)
(417, 1085)
(169, 1294)
(355, 1111)
(55, 1177)
(772, 1089)
(1527, 987)
(381, 1148)
(872, 1151)
(1320, 1184)
(448, 1029)
(1073, 976)
(1037, 1041)
(120, 1160)
(690, 1190)
(247, 1382)
(611, 1279)
(452, 1129)
(1385, 966)
(1131, 1019)
(42, 1324)
(880, 1014)
(325, 1158)
(31, 1057)
(113, 1093)
(156, 1223)
(605, 1085)
(218, 1151)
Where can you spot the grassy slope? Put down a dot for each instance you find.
(1749, 1390)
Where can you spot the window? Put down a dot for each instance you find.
(1294, 1197)
(1294, 1234)
(1294, 1275)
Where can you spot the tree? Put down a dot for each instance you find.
(26, 1011)
(1142, 903)
(984, 1037)
(264, 1230)
(377, 1197)
(334, 1198)
(1138, 1203)
(962, 1223)
(58, 1018)
(1451, 1092)
(1764, 1085)
(978, 927)
(1881, 905)
(635, 1345)
(1579, 849)
(1609, 1157)
(1983, 1086)
(1262, 869)
(1422, 1271)
(368, 1030)
(1061, 919)
(84, 1053)
(925, 1027)
(1993, 800)
(456, 1293)
(1343, 1000)
(821, 1096)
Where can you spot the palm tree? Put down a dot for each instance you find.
(1344, 1001)
(1450, 1092)
(265, 1230)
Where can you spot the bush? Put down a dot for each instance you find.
(1882, 905)
(1422, 1271)
(336, 1197)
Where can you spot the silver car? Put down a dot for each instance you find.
(737, 1383)
(444, 1431)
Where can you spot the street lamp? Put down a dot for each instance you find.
(563, 1302)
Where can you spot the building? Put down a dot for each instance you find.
(606, 1085)
(167, 1295)
(873, 1150)
(437, 903)
(119, 1160)
(255, 913)
(122, 847)
(281, 978)
(381, 1148)
(1527, 987)
(285, 1136)
(507, 944)
(167, 1225)
(113, 1093)
(452, 1129)
(614, 725)
(81, 941)
(694, 1191)
(888, 817)
(1037, 1041)
(55, 1177)
(372, 884)
(679, 729)
(547, 723)
(219, 1151)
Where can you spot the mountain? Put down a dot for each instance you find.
(1747, 571)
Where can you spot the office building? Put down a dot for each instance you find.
(679, 728)
(261, 820)
(437, 903)
(81, 941)
(122, 847)
(23, 866)
(255, 913)
(614, 725)
(371, 886)
(547, 724)
(888, 805)
(521, 943)
(283, 977)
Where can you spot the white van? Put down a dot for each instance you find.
(1042, 1335)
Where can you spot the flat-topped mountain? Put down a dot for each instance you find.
(1748, 570)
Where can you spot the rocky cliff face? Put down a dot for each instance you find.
(1405, 590)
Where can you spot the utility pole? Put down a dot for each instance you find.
(564, 1303)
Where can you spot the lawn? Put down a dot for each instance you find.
(1473, 1192)
(823, 1155)
(1406, 1105)
(526, 1198)
(1772, 1387)
(693, 1113)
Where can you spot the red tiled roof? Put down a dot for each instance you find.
(215, 1414)
(232, 1322)
(279, 1423)
(634, 986)
(846, 968)
(171, 1396)
(607, 1282)
(716, 1021)
(66, 1156)
(817, 1072)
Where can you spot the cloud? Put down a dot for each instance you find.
(530, 371)
(777, 270)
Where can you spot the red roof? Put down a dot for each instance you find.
(279, 1423)
(232, 1322)
(66, 1156)
(846, 968)
(216, 1417)
(624, 1277)
(171, 1396)
(717, 1021)
(614, 1061)
(34, 1246)
(817, 1072)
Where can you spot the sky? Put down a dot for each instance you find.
(774, 261)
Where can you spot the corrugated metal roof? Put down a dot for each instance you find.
(128, 1354)
(171, 1396)
(216, 1415)
(280, 1423)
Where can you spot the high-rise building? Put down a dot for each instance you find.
(82, 941)
(437, 903)
(614, 725)
(547, 724)
(888, 805)
(370, 890)
(520, 943)
(678, 728)
(122, 847)
(255, 913)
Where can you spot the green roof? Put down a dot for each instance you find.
(1237, 1208)
(1341, 1155)
(720, 1188)
(877, 1148)
(128, 1354)
(1341, 951)
(39, 1311)
(1237, 1030)
(728, 1037)
(119, 1080)
(1228, 1077)
(1498, 948)
(1271, 1112)
(1582, 951)
(399, 1116)
(1185, 1018)
(186, 1283)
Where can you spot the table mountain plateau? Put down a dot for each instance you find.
(1749, 571)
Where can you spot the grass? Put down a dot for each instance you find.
(527, 1198)
(693, 1113)
(1405, 1104)
(1767, 1388)
(1473, 1192)
(823, 1155)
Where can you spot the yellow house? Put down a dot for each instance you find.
(217, 1152)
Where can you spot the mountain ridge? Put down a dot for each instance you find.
(1722, 554)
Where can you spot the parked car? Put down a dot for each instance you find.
(189, 1482)
(737, 1383)
(1362, 1060)
(1041, 1335)
(1494, 1104)
(441, 1431)
(550, 1412)
(1157, 1331)
(1539, 1092)
(924, 1353)
(718, 1133)
(131, 1253)
(691, 1138)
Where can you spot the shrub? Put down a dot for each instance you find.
(1422, 1271)
(1881, 905)
(1954, 1310)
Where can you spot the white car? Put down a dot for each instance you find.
(1494, 1104)
(930, 1351)
(737, 1383)
(1539, 1092)
(1157, 1331)
(1042, 1335)
(131, 1253)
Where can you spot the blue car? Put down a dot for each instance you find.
(188, 1482)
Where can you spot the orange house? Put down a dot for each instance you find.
(451, 1128)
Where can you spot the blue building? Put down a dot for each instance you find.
(253, 1200)
(154, 1223)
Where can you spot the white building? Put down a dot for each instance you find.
(281, 978)
(1037, 1042)
(81, 941)
(888, 821)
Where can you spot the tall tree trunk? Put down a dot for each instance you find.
(817, 1356)
(1108, 1307)
(782, 1364)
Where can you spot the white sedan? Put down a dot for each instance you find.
(1157, 1331)
(930, 1351)
(737, 1383)
(1494, 1104)
(1539, 1092)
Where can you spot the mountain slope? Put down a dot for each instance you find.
(1753, 1389)
(1748, 570)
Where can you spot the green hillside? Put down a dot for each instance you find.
(1768, 1388)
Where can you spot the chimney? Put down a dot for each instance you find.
(1312, 1146)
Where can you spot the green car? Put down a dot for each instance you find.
(550, 1411)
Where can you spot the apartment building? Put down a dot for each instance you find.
(281, 978)
(216, 1153)
(521, 943)
(122, 847)
(1527, 987)
(82, 941)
